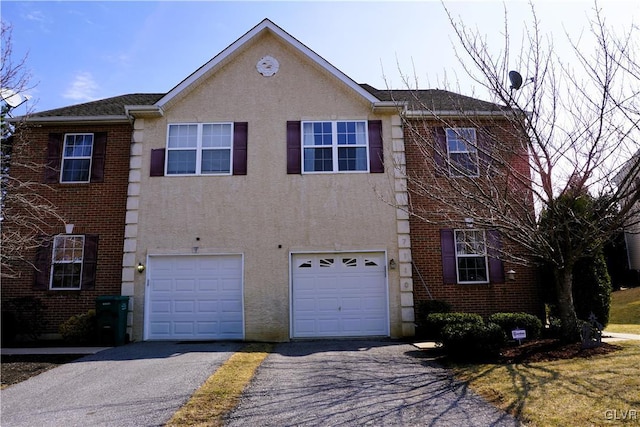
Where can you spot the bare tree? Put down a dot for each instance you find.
(540, 166)
(26, 212)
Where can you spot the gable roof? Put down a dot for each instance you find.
(122, 108)
(265, 26)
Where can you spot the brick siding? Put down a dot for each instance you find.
(93, 208)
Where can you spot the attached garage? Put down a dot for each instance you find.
(339, 295)
(194, 297)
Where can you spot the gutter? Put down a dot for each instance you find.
(71, 119)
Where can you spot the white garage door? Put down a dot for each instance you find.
(194, 297)
(339, 295)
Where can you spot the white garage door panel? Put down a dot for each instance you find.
(194, 297)
(339, 295)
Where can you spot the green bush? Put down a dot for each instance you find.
(511, 321)
(592, 288)
(28, 314)
(473, 341)
(435, 322)
(424, 309)
(80, 329)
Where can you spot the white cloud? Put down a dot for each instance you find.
(82, 88)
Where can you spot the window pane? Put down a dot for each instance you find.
(183, 136)
(317, 133)
(181, 162)
(352, 159)
(216, 161)
(75, 170)
(78, 145)
(351, 133)
(66, 276)
(472, 269)
(464, 164)
(216, 135)
(318, 160)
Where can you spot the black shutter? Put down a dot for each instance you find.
(42, 264)
(496, 268)
(98, 158)
(448, 248)
(54, 157)
(485, 155)
(440, 151)
(240, 131)
(157, 162)
(294, 148)
(376, 152)
(90, 261)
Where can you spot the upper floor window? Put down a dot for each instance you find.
(66, 263)
(462, 150)
(471, 256)
(337, 146)
(199, 149)
(76, 157)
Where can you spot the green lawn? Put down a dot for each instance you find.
(624, 316)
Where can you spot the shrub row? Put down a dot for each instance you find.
(465, 336)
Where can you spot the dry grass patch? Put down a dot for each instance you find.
(596, 391)
(221, 392)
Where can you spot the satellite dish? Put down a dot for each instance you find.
(516, 80)
(12, 98)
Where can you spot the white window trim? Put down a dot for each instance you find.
(74, 261)
(199, 149)
(486, 258)
(454, 172)
(334, 146)
(64, 144)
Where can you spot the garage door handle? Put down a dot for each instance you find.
(339, 308)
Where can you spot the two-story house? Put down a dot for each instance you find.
(262, 198)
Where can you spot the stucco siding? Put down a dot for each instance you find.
(267, 213)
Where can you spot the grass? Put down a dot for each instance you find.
(221, 392)
(624, 316)
(597, 391)
(575, 392)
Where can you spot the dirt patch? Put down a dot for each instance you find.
(549, 349)
(17, 368)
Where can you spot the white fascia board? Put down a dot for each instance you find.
(266, 24)
(389, 106)
(143, 111)
(73, 119)
(418, 114)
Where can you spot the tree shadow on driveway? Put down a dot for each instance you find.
(359, 382)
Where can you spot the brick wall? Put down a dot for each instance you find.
(521, 294)
(93, 208)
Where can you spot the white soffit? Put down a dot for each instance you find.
(265, 25)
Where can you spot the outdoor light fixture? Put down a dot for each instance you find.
(140, 267)
(511, 275)
(392, 264)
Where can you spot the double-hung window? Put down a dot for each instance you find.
(76, 157)
(471, 256)
(462, 149)
(66, 263)
(335, 146)
(199, 149)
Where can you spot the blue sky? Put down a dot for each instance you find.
(82, 51)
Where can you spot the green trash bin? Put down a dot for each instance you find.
(111, 317)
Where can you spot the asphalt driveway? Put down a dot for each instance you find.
(356, 383)
(315, 383)
(140, 384)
